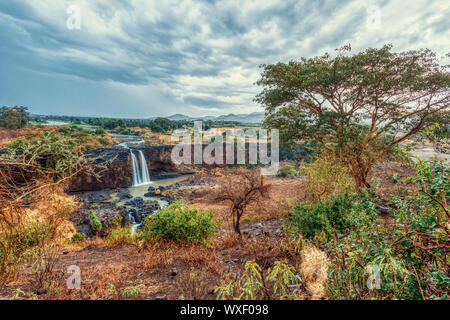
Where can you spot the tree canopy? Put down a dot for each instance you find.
(13, 117)
(356, 106)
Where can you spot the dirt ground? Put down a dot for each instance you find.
(166, 271)
(283, 194)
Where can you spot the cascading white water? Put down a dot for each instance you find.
(144, 169)
(140, 173)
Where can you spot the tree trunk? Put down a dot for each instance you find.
(361, 182)
(360, 172)
(237, 227)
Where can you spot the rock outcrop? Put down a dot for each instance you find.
(113, 167)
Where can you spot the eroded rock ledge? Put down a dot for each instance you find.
(114, 167)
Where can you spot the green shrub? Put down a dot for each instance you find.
(33, 235)
(77, 238)
(48, 151)
(20, 245)
(131, 292)
(179, 224)
(326, 177)
(277, 283)
(118, 236)
(100, 131)
(96, 225)
(395, 178)
(322, 217)
(287, 171)
(411, 257)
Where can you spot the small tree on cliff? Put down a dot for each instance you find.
(240, 190)
(356, 107)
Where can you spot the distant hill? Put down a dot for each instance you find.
(179, 116)
(255, 117)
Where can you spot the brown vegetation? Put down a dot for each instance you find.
(241, 189)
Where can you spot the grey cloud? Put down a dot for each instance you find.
(161, 52)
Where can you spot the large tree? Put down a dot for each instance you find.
(355, 106)
(14, 117)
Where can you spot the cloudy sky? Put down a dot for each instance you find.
(143, 58)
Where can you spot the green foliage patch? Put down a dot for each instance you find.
(322, 217)
(179, 224)
(287, 171)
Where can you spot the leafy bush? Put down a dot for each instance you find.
(327, 177)
(277, 283)
(77, 238)
(100, 131)
(287, 171)
(118, 236)
(20, 244)
(322, 217)
(411, 257)
(59, 152)
(131, 292)
(395, 178)
(95, 222)
(33, 235)
(50, 151)
(14, 117)
(179, 224)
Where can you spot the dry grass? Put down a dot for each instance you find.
(8, 135)
(108, 270)
(314, 268)
(327, 178)
(282, 195)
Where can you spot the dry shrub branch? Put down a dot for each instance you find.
(240, 190)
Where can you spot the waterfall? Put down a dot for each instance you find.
(144, 170)
(140, 170)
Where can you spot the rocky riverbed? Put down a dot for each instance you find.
(132, 205)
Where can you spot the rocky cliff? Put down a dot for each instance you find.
(114, 165)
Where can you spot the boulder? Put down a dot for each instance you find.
(137, 202)
(124, 194)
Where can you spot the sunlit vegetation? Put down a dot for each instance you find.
(359, 218)
(138, 126)
(356, 107)
(327, 177)
(13, 117)
(180, 224)
(287, 171)
(240, 190)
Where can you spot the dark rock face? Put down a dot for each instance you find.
(153, 205)
(169, 175)
(95, 196)
(135, 202)
(138, 209)
(107, 213)
(115, 169)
